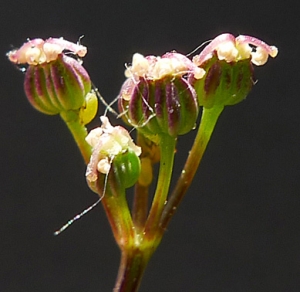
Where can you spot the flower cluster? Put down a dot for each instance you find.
(38, 51)
(161, 98)
(229, 72)
(157, 98)
(154, 68)
(54, 81)
(107, 143)
(233, 49)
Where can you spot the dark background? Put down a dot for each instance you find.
(238, 227)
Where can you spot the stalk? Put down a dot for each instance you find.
(167, 150)
(78, 132)
(132, 267)
(208, 122)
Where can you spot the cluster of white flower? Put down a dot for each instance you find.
(233, 49)
(38, 51)
(107, 142)
(170, 64)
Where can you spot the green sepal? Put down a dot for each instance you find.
(157, 107)
(57, 86)
(225, 83)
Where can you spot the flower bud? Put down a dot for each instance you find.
(146, 175)
(156, 98)
(54, 82)
(89, 109)
(149, 157)
(229, 71)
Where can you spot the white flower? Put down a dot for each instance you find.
(233, 49)
(154, 68)
(107, 142)
(38, 51)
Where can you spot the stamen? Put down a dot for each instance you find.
(214, 44)
(271, 50)
(259, 57)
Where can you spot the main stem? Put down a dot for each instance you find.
(132, 267)
(208, 121)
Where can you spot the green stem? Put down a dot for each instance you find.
(150, 155)
(133, 264)
(208, 121)
(117, 210)
(79, 133)
(167, 151)
(121, 212)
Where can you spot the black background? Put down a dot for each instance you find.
(238, 227)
